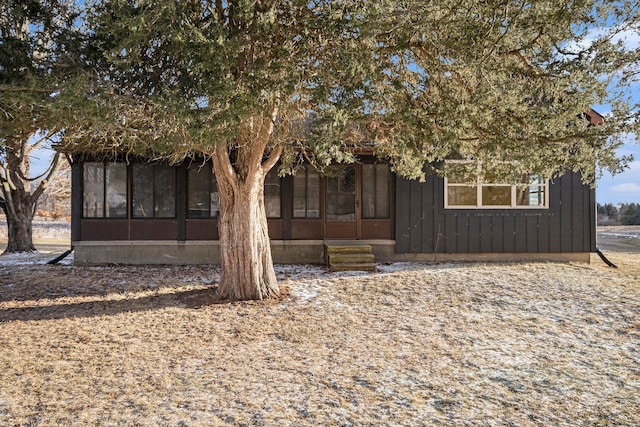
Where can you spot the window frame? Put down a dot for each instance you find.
(479, 185)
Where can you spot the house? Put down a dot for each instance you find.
(143, 213)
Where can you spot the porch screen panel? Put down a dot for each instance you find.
(202, 193)
(142, 197)
(154, 191)
(93, 190)
(198, 193)
(164, 191)
(116, 190)
(104, 192)
(306, 193)
(272, 194)
(341, 198)
(375, 191)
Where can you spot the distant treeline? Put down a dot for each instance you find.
(624, 214)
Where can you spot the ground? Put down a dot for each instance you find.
(412, 344)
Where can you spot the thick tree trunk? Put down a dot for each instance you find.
(19, 223)
(245, 252)
(16, 191)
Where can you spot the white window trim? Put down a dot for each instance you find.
(480, 184)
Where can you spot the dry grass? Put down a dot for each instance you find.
(458, 344)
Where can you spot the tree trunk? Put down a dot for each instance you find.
(19, 223)
(245, 252)
(15, 189)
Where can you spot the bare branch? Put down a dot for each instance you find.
(55, 164)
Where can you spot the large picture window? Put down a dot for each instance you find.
(202, 193)
(466, 189)
(104, 192)
(153, 191)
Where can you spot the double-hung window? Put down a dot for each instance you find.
(468, 186)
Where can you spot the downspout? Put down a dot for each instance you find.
(598, 251)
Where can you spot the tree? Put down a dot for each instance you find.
(37, 40)
(249, 84)
(607, 214)
(630, 214)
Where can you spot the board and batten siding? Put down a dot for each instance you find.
(423, 225)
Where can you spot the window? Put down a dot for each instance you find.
(272, 194)
(375, 191)
(154, 191)
(464, 188)
(202, 193)
(104, 192)
(306, 193)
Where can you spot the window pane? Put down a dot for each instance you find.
(165, 191)
(93, 190)
(272, 194)
(533, 195)
(382, 191)
(466, 195)
(142, 189)
(493, 195)
(198, 196)
(116, 201)
(368, 191)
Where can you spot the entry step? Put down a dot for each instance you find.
(349, 257)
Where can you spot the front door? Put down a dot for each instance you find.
(342, 203)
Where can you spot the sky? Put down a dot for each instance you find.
(623, 187)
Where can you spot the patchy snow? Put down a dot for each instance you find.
(622, 234)
(410, 344)
(32, 258)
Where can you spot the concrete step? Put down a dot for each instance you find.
(347, 257)
(351, 258)
(360, 266)
(351, 249)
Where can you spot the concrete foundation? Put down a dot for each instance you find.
(283, 251)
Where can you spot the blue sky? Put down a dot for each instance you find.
(623, 187)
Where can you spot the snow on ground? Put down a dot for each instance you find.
(411, 344)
